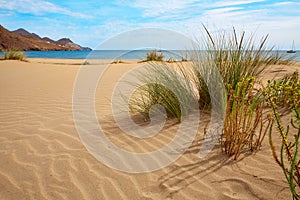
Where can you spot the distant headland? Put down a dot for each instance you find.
(23, 40)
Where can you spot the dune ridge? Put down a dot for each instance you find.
(42, 156)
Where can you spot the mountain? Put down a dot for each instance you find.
(21, 39)
(48, 40)
(25, 33)
(66, 42)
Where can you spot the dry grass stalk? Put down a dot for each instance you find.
(243, 128)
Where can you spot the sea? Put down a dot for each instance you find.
(123, 54)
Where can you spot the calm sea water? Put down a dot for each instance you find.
(103, 54)
(117, 54)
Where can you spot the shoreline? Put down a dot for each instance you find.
(121, 54)
(78, 60)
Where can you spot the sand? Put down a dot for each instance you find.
(42, 156)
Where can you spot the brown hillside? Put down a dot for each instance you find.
(24, 41)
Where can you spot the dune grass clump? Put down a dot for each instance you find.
(152, 94)
(235, 59)
(154, 55)
(163, 85)
(14, 55)
(204, 72)
(239, 56)
(236, 56)
(238, 59)
(285, 93)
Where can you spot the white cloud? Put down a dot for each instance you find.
(37, 7)
(286, 7)
(234, 3)
(186, 17)
(283, 3)
(7, 14)
(180, 10)
(221, 11)
(280, 20)
(158, 8)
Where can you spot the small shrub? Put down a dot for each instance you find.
(117, 61)
(286, 93)
(86, 62)
(171, 60)
(184, 56)
(184, 59)
(154, 55)
(14, 55)
(243, 127)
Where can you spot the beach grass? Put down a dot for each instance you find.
(163, 85)
(235, 58)
(240, 60)
(14, 55)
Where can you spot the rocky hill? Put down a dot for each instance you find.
(25, 33)
(23, 40)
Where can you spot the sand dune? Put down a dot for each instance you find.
(42, 156)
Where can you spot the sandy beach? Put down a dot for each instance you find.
(42, 156)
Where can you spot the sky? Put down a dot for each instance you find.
(92, 22)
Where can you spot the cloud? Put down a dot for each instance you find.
(286, 8)
(280, 19)
(37, 8)
(234, 3)
(182, 10)
(157, 8)
(6, 14)
(260, 17)
(221, 11)
(283, 3)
